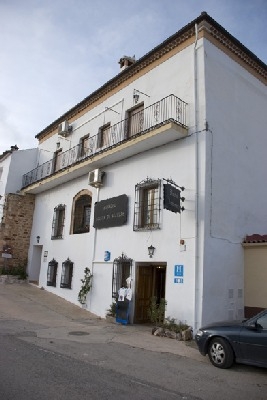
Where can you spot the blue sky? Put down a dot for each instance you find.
(54, 53)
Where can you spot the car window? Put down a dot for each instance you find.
(262, 322)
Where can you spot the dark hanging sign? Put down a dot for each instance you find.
(111, 212)
(171, 198)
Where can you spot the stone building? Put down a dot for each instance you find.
(16, 210)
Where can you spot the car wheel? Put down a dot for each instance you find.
(220, 353)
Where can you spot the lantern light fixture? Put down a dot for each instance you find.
(151, 249)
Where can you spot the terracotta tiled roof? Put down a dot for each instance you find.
(255, 238)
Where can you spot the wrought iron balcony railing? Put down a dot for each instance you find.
(170, 108)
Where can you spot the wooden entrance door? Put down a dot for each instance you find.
(144, 292)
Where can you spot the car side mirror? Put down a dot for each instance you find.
(258, 326)
(253, 326)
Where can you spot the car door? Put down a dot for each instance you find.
(253, 341)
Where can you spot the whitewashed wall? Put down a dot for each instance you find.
(174, 76)
(236, 193)
(172, 161)
(22, 161)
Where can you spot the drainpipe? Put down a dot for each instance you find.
(95, 237)
(198, 301)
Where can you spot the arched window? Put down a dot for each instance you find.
(81, 213)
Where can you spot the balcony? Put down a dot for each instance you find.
(147, 128)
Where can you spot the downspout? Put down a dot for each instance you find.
(94, 242)
(95, 235)
(197, 304)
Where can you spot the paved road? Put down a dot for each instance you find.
(51, 349)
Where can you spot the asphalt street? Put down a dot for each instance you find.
(52, 349)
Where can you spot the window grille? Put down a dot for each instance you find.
(58, 222)
(66, 274)
(122, 269)
(147, 205)
(52, 273)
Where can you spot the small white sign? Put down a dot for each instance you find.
(6, 255)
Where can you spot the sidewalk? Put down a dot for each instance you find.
(56, 318)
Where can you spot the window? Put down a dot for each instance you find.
(104, 135)
(66, 274)
(135, 120)
(147, 205)
(52, 273)
(84, 150)
(262, 322)
(82, 214)
(58, 222)
(122, 269)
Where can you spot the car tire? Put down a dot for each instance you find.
(220, 353)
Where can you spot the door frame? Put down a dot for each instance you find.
(137, 282)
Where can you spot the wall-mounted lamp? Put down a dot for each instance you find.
(151, 250)
(136, 97)
(38, 239)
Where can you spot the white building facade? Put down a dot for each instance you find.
(182, 127)
(14, 163)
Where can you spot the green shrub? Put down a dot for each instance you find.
(86, 286)
(156, 311)
(111, 311)
(19, 270)
(171, 325)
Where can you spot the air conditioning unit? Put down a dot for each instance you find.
(64, 129)
(95, 178)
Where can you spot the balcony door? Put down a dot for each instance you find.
(57, 160)
(135, 120)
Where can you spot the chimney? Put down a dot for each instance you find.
(14, 148)
(126, 62)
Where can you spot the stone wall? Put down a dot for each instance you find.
(15, 228)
